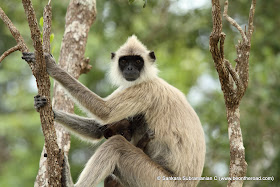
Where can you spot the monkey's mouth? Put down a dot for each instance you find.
(131, 75)
(130, 79)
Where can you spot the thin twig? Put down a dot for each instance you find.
(234, 23)
(17, 36)
(251, 19)
(11, 50)
(14, 31)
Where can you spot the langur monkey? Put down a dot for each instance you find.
(178, 147)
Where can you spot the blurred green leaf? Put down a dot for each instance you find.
(51, 37)
(42, 22)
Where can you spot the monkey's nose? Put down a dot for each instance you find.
(129, 68)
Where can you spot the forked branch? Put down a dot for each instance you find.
(228, 77)
(55, 156)
(16, 34)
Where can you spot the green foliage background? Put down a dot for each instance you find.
(180, 40)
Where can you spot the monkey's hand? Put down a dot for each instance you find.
(28, 57)
(150, 134)
(50, 61)
(39, 101)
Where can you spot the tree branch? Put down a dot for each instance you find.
(84, 66)
(47, 24)
(54, 156)
(79, 17)
(8, 52)
(228, 76)
(222, 42)
(234, 23)
(81, 14)
(235, 77)
(216, 51)
(251, 19)
(16, 34)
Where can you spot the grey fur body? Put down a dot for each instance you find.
(178, 148)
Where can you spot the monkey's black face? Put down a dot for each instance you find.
(131, 66)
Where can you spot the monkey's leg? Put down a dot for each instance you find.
(66, 174)
(132, 166)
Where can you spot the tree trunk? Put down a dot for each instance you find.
(79, 17)
(238, 165)
(234, 82)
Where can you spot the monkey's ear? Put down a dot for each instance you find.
(152, 56)
(108, 133)
(113, 55)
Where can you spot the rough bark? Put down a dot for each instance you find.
(47, 24)
(234, 82)
(53, 153)
(79, 17)
(43, 179)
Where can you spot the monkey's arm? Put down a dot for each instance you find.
(85, 127)
(82, 95)
(147, 137)
(120, 105)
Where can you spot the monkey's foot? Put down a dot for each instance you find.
(39, 101)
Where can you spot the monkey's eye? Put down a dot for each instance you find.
(138, 61)
(123, 61)
(122, 133)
